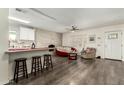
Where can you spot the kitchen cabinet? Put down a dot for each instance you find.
(27, 34)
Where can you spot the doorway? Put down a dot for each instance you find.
(113, 45)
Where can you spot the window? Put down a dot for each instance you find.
(12, 35)
(27, 33)
(113, 36)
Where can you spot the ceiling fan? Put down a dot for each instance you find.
(73, 28)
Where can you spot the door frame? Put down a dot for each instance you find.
(121, 43)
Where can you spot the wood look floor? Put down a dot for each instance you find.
(80, 72)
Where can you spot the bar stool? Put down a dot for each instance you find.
(20, 68)
(47, 61)
(36, 64)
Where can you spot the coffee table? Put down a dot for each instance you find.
(72, 56)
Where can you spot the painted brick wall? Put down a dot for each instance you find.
(44, 38)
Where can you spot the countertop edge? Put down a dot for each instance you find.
(28, 50)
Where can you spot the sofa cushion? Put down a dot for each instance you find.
(64, 49)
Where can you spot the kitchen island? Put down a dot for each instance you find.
(27, 53)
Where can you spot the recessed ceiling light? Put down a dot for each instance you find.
(17, 19)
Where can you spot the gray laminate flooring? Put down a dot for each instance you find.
(80, 72)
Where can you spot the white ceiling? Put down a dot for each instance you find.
(58, 19)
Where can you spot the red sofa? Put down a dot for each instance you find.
(63, 53)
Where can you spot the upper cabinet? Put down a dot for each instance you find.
(27, 33)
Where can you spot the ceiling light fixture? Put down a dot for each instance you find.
(72, 31)
(19, 20)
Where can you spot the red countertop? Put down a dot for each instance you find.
(17, 50)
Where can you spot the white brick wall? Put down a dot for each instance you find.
(44, 38)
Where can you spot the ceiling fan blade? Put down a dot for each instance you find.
(69, 29)
(73, 29)
(81, 29)
(77, 29)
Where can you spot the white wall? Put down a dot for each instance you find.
(99, 32)
(3, 46)
(45, 38)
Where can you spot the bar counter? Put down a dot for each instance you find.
(26, 53)
(27, 50)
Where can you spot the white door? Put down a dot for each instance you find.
(113, 48)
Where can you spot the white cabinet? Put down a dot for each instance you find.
(27, 33)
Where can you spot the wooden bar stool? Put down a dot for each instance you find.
(47, 61)
(36, 64)
(20, 68)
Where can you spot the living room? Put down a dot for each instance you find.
(81, 46)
